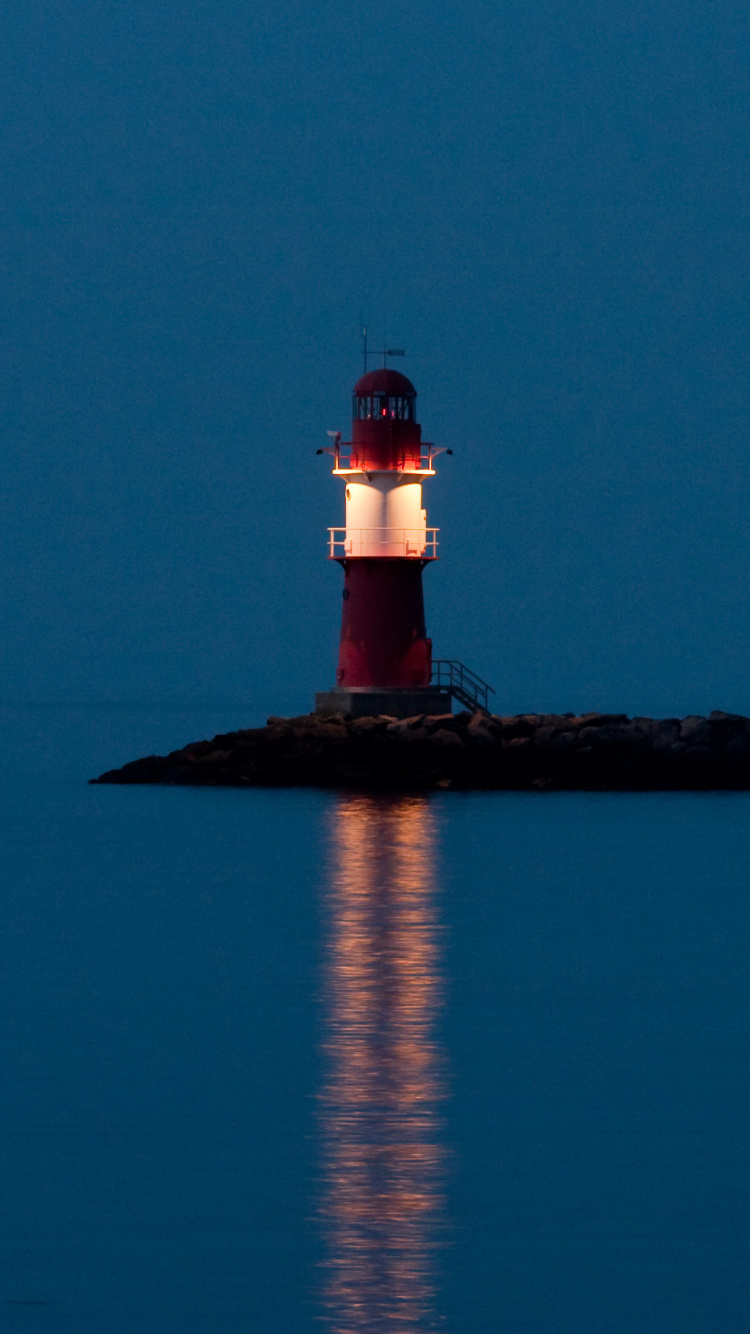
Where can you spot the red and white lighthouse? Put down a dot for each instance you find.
(385, 656)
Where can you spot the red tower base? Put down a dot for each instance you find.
(383, 637)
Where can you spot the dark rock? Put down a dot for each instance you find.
(726, 726)
(551, 735)
(446, 722)
(330, 731)
(607, 735)
(481, 738)
(445, 738)
(464, 751)
(404, 725)
(478, 732)
(599, 719)
(278, 731)
(701, 754)
(366, 726)
(660, 733)
(695, 731)
(738, 747)
(563, 740)
(511, 727)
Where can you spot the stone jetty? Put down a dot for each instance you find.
(543, 751)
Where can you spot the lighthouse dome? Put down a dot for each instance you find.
(384, 381)
(384, 394)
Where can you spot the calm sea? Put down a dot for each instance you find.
(301, 1061)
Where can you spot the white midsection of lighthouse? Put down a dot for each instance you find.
(384, 516)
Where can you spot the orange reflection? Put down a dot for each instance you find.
(380, 1121)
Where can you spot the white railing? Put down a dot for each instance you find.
(418, 542)
(398, 463)
(342, 452)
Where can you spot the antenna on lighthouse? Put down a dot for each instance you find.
(383, 352)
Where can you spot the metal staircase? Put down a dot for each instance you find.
(464, 685)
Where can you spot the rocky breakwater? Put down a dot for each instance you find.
(593, 751)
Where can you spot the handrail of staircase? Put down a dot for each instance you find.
(464, 684)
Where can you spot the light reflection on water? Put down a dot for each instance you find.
(381, 1128)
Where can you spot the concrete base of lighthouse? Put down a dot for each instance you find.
(370, 701)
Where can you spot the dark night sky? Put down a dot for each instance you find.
(545, 203)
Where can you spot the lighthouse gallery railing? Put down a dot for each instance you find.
(417, 542)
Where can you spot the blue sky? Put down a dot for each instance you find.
(545, 204)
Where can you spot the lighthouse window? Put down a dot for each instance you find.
(398, 408)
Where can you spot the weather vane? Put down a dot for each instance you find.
(383, 352)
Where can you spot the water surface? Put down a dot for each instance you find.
(295, 1061)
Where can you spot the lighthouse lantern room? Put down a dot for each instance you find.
(385, 656)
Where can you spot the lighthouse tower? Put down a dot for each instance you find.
(385, 656)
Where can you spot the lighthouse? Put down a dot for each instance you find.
(385, 656)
